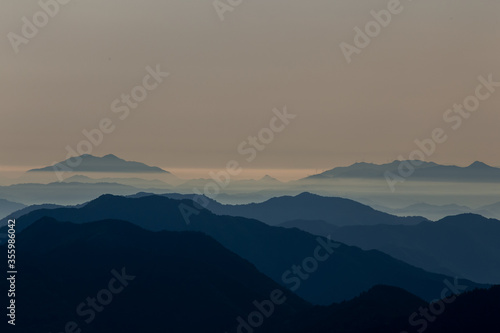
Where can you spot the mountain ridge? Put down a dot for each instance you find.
(170, 276)
(463, 245)
(431, 171)
(273, 250)
(106, 163)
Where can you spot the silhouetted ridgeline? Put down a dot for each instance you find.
(112, 276)
(464, 245)
(429, 171)
(273, 250)
(338, 211)
(140, 281)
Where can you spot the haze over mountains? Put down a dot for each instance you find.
(7, 207)
(438, 212)
(337, 211)
(434, 191)
(62, 193)
(231, 166)
(476, 172)
(464, 245)
(272, 250)
(362, 182)
(136, 182)
(341, 265)
(430, 171)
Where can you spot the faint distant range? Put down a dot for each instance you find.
(108, 163)
(307, 206)
(438, 212)
(428, 171)
(7, 207)
(62, 193)
(463, 245)
(432, 212)
(441, 186)
(136, 182)
(272, 250)
(425, 171)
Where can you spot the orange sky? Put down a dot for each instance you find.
(226, 78)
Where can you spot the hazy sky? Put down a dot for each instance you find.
(227, 76)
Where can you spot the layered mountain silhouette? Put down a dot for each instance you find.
(387, 309)
(464, 245)
(18, 213)
(64, 193)
(169, 281)
(135, 182)
(108, 163)
(7, 207)
(477, 172)
(473, 311)
(492, 211)
(187, 282)
(338, 211)
(379, 308)
(432, 212)
(273, 250)
(438, 212)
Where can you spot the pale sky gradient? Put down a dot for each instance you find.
(226, 77)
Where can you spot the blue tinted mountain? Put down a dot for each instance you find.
(27, 209)
(63, 193)
(476, 172)
(169, 281)
(307, 206)
(273, 250)
(386, 309)
(380, 307)
(464, 245)
(432, 212)
(108, 163)
(7, 207)
(136, 182)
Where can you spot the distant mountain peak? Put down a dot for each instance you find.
(306, 195)
(478, 164)
(466, 217)
(477, 171)
(111, 156)
(107, 163)
(268, 178)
